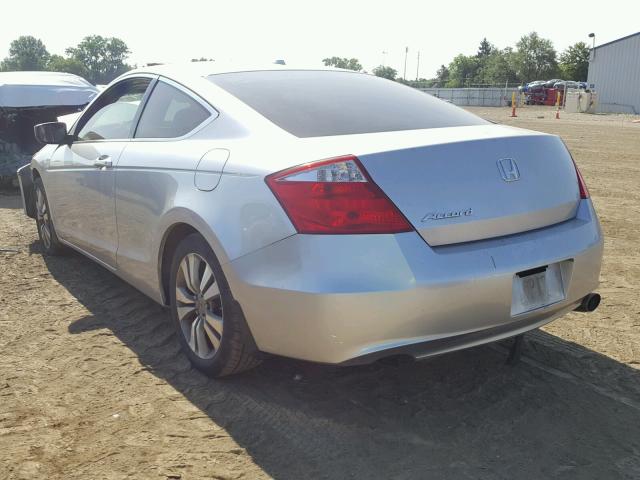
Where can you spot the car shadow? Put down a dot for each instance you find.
(563, 412)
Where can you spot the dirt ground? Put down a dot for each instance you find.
(93, 385)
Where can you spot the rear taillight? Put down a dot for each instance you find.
(335, 196)
(584, 193)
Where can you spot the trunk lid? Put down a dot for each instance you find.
(472, 183)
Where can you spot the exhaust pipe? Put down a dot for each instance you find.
(589, 303)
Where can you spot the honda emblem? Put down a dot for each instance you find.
(508, 169)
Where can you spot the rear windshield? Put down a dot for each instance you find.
(320, 103)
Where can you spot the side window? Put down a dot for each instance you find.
(169, 113)
(112, 116)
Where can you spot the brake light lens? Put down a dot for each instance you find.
(335, 196)
(582, 186)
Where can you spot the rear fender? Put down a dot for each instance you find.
(184, 216)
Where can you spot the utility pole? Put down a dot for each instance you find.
(406, 52)
(418, 67)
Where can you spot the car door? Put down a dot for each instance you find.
(157, 170)
(81, 176)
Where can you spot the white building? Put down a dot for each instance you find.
(614, 72)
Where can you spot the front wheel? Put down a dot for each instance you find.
(46, 230)
(210, 324)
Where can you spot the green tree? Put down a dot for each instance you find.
(385, 72)
(343, 62)
(463, 71)
(442, 76)
(574, 62)
(535, 58)
(485, 49)
(422, 83)
(498, 68)
(58, 63)
(103, 57)
(26, 53)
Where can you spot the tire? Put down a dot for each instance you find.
(46, 231)
(210, 324)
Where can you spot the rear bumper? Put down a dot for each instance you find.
(465, 340)
(355, 298)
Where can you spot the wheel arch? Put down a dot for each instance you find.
(173, 235)
(26, 180)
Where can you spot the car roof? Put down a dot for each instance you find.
(39, 89)
(193, 75)
(204, 69)
(48, 79)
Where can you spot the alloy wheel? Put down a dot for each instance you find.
(43, 219)
(199, 306)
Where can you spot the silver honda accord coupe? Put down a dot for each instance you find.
(318, 214)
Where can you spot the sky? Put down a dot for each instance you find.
(303, 33)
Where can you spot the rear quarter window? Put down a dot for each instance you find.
(169, 113)
(309, 103)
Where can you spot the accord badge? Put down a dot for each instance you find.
(444, 215)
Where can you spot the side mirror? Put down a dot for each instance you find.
(52, 132)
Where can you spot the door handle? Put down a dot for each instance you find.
(103, 161)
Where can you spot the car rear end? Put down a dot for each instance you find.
(417, 240)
